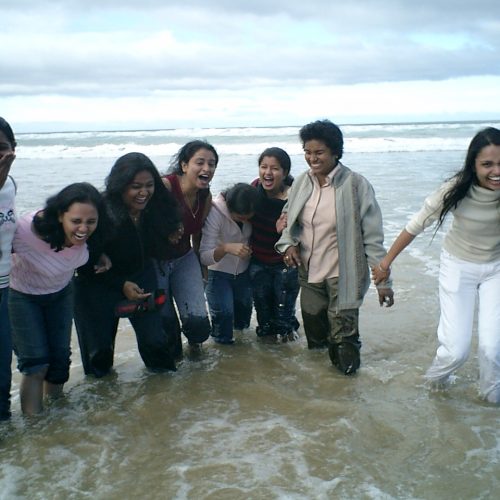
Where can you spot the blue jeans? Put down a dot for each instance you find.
(41, 332)
(182, 280)
(230, 302)
(5, 356)
(275, 291)
(96, 325)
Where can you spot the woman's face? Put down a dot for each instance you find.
(319, 157)
(78, 222)
(487, 167)
(138, 193)
(200, 169)
(271, 175)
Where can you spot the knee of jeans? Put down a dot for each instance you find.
(32, 366)
(197, 329)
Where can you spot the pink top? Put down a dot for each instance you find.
(319, 231)
(37, 269)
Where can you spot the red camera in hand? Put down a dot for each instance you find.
(154, 302)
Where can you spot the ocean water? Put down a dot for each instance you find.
(259, 420)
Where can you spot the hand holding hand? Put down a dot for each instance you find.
(380, 273)
(385, 296)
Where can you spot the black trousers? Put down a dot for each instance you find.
(96, 326)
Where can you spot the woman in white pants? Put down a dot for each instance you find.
(470, 263)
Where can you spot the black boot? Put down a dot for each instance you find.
(345, 356)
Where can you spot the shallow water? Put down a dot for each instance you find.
(258, 420)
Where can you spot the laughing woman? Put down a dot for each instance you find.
(48, 246)
(139, 216)
(180, 273)
(275, 286)
(470, 263)
(226, 251)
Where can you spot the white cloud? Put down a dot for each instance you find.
(80, 61)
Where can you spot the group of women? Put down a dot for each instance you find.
(158, 249)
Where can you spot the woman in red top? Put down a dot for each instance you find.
(180, 273)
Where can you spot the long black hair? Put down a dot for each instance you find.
(160, 217)
(47, 224)
(466, 176)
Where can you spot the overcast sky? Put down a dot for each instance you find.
(133, 64)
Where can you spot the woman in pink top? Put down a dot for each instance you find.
(48, 246)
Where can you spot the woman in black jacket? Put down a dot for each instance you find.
(140, 218)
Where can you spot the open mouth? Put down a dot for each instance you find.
(204, 178)
(80, 237)
(268, 181)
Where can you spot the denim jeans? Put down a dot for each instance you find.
(275, 291)
(96, 325)
(5, 355)
(183, 282)
(41, 332)
(230, 302)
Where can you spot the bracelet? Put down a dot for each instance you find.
(382, 269)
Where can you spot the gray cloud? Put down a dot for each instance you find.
(237, 45)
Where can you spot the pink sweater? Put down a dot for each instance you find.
(36, 268)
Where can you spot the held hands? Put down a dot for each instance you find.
(133, 291)
(380, 272)
(385, 296)
(292, 257)
(238, 250)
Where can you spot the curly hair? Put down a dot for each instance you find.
(46, 222)
(324, 131)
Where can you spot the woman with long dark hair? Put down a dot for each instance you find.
(179, 272)
(470, 263)
(140, 216)
(48, 246)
